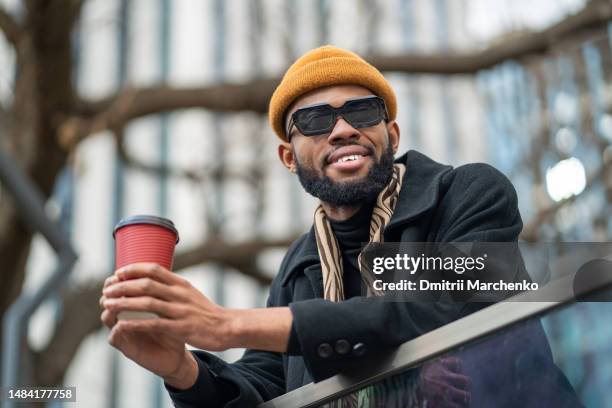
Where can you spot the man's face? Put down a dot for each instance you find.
(321, 160)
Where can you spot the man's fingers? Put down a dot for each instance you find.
(116, 336)
(120, 327)
(458, 380)
(150, 270)
(143, 304)
(448, 378)
(162, 325)
(126, 331)
(141, 287)
(110, 280)
(108, 318)
(453, 363)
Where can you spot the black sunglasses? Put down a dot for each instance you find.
(321, 118)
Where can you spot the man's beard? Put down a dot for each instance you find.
(348, 193)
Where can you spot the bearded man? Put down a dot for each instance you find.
(335, 115)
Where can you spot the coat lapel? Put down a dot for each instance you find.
(315, 276)
(304, 255)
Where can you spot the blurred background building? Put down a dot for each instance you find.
(119, 107)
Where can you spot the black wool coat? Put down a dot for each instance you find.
(437, 203)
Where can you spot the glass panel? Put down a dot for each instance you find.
(563, 359)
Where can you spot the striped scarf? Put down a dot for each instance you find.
(329, 250)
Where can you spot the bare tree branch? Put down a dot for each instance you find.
(241, 256)
(131, 104)
(137, 164)
(198, 177)
(12, 31)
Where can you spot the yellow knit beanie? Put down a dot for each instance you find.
(321, 67)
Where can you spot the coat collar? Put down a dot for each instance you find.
(420, 192)
(420, 187)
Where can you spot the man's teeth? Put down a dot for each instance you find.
(348, 158)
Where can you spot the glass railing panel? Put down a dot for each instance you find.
(563, 359)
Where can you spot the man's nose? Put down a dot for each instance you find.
(342, 131)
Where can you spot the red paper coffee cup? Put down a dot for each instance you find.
(145, 238)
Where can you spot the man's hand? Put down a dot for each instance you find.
(182, 309)
(443, 384)
(186, 316)
(159, 352)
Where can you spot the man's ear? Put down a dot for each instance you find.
(394, 135)
(286, 156)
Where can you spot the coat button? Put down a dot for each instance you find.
(342, 347)
(359, 349)
(325, 350)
